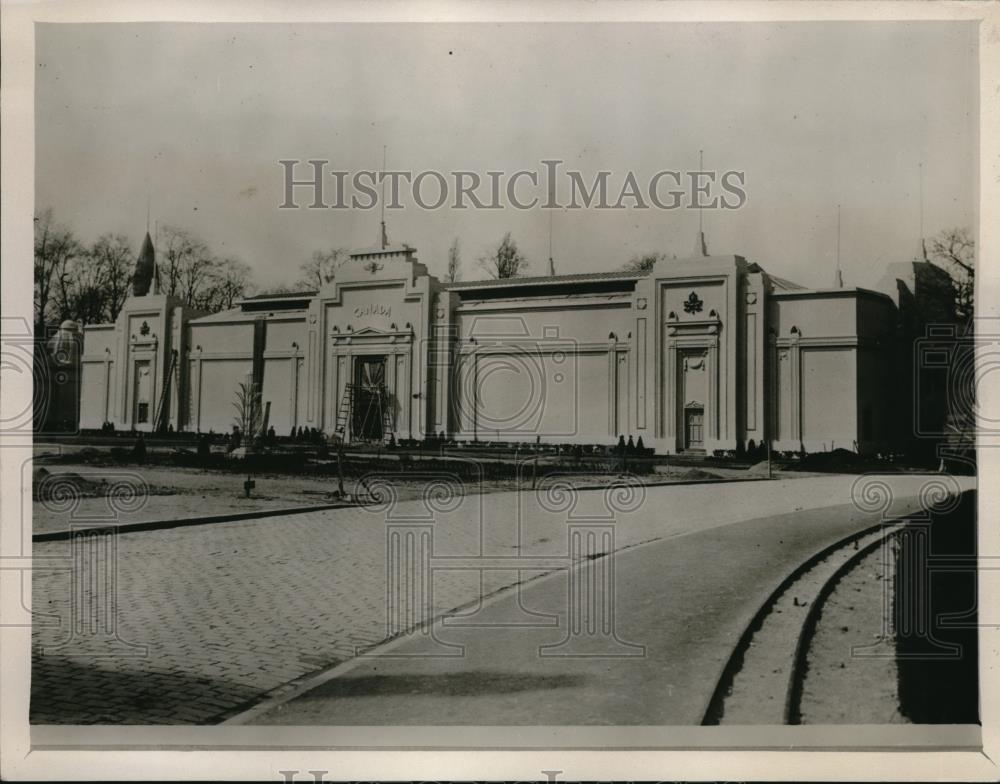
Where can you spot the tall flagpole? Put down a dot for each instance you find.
(920, 186)
(383, 239)
(701, 248)
(701, 168)
(920, 176)
(552, 265)
(840, 277)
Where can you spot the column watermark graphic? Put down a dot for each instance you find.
(909, 563)
(91, 623)
(586, 627)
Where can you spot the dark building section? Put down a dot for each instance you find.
(57, 380)
(930, 363)
(146, 279)
(935, 617)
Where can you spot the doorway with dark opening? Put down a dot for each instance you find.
(371, 412)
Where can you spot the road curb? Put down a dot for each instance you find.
(159, 525)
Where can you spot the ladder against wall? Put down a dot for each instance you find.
(368, 410)
(344, 412)
(162, 416)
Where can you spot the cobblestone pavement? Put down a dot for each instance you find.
(190, 625)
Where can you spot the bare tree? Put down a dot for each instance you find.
(191, 272)
(68, 280)
(55, 250)
(643, 262)
(321, 268)
(506, 261)
(113, 263)
(83, 293)
(454, 271)
(227, 281)
(249, 412)
(184, 263)
(196, 278)
(90, 285)
(954, 250)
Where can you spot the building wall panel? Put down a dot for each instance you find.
(93, 391)
(223, 338)
(815, 316)
(220, 381)
(281, 334)
(277, 389)
(829, 413)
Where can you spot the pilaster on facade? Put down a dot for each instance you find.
(788, 389)
(698, 355)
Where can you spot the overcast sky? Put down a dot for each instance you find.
(196, 117)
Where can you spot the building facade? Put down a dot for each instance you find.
(702, 354)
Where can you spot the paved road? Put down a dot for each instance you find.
(679, 609)
(229, 613)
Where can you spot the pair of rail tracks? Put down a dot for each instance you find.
(762, 682)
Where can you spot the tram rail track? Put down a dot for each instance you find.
(762, 682)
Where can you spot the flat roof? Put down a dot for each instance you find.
(831, 292)
(543, 280)
(784, 284)
(281, 296)
(239, 316)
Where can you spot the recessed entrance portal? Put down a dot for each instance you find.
(694, 428)
(371, 413)
(141, 393)
(693, 398)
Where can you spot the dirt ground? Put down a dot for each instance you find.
(66, 492)
(853, 676)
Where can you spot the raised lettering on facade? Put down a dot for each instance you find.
(373, 309)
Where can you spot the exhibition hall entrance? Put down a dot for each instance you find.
(371, 407)
(694, 428)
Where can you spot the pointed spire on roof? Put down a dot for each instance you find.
(146, 276)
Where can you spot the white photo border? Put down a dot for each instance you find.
(238, 753)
